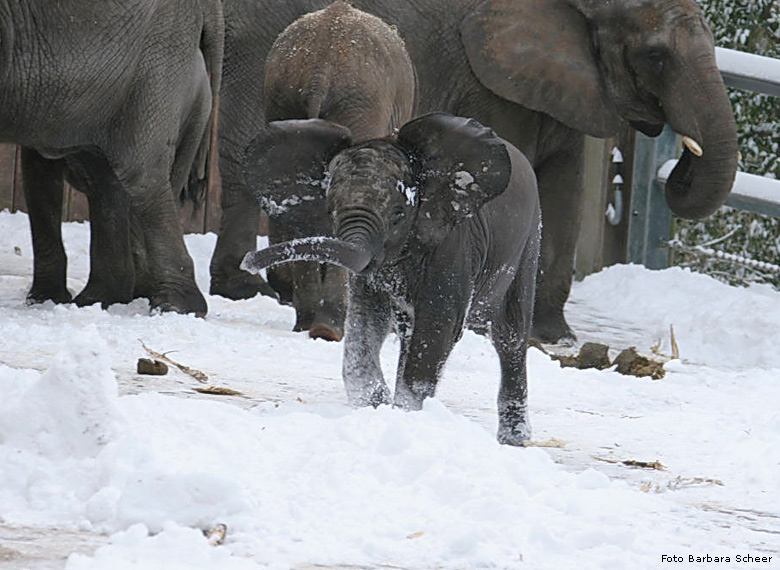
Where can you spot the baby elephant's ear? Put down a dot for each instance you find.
(285, 167)
(459, 165)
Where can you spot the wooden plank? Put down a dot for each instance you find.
(20, 204)
(78, 207)
(192, 216)
(213, 213)
(7, 169)
(589, 242)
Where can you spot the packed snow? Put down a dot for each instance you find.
(102, 468)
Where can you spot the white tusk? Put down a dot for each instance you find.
(692, 145)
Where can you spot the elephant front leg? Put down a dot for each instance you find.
(367, 326)
(560, 192)
(169, 268)
(318, 295)
(424, 351)
(237, 235)
(328, 323)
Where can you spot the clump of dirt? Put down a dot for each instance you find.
(631, 363)
(628, 362)
(151, 367)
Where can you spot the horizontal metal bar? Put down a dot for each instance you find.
(749, 192)
(749, 71)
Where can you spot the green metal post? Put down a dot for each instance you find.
(649, 224)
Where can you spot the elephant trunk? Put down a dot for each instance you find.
(700, 110)
(355, 247)
(360, 227)
(321, 249)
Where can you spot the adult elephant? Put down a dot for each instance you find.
(115, 98)
(542, 73)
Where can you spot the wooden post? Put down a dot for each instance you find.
(589, 243)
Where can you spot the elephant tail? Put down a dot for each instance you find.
(212, 46)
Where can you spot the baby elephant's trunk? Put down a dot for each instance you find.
(321, 249)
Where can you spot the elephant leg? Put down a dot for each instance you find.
(237, 236)
(428, 339)
(328, 323)
(111, 271)
(144, 282)
(43, 188)
(280, 278)
(170, 266)
(367, 326)
(509, 333)
(560, 192)
(421, 362)
(306, 292)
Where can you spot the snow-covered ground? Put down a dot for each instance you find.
(102, 468)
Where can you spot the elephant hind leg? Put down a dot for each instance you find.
(43, 187)
(509, 333)
(560, 192)
(112, 274)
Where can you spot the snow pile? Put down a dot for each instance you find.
(301, 479)
(714, 323)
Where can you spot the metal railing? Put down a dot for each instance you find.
(650, 220)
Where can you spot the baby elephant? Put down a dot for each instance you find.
(440, 229)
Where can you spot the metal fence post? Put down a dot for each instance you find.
(649, 224)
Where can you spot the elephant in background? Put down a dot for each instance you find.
(117, 100)
(347, 67)
(542, 73)
(440, 230)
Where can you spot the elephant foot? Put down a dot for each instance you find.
(411, 400)
(185, 303)
(92, 294)
(325, 332)
(513, 425)
(38, 295)
(516, 437)
(303, 320)
(552, 328)
(373, 395)
(241, 286)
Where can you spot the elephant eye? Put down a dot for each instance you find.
(651, 60)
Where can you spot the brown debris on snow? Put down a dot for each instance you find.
(631, 363)
(151, 367)
(628, 362)
(197, 374)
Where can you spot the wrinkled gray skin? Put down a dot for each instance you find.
(440, 230)
(541, 73)
(116, 100)
(347, 67)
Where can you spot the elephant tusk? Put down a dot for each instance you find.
(692, 145)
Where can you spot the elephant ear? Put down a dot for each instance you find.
(285, 168)
(458, 166)
(539, 54)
